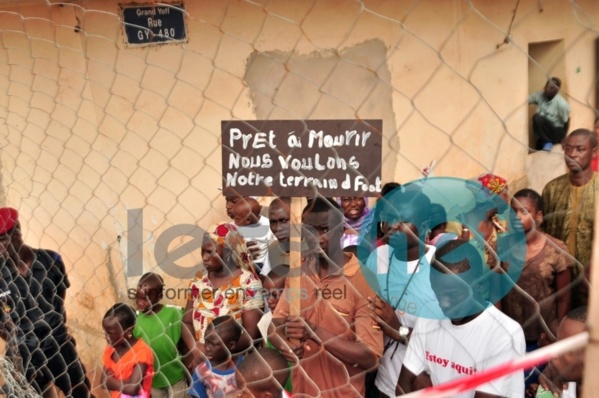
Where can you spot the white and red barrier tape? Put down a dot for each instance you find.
(526, 362)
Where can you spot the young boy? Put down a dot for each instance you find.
(160, 327)
(279, 218)
(246, 214)
(128, 361)
(262, 373)
(438, 235)
(215, 378)
(476, 336)
(274, 285)
(564, 374)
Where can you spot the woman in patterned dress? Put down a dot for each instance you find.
(227, 285)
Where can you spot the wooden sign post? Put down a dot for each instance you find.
(300, 158)
(295, 256)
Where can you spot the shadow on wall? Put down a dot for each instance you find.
(542, 167)
(286, 86)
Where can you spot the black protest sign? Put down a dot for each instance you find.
(300, 157)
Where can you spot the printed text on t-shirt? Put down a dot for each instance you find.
(466, 370)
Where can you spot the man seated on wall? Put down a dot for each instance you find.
(550, 121)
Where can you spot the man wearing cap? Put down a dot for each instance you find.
(46, 282)
(550, 122)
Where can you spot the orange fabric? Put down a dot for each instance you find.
(123, 368)
(337, 303)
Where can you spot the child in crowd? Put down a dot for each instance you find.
(128, 361)
(563, 376)
(274, 285)
(279, 218)
(262, 373)
(246, 214)
(215, 378)
(160, 327)
(438, 234)
(542, 298)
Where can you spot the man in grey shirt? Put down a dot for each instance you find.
(550, 122)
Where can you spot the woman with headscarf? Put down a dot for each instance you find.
(484, 225)
(487, 218)
(228, 284)
(355, 211)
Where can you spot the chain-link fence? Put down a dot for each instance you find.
(111, 136)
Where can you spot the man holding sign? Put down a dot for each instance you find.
(323, 313)
(341, 342)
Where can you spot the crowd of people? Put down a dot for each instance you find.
(393, 296)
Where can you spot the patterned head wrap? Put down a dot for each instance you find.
(485, 189)
(493, 183)
(226, 235)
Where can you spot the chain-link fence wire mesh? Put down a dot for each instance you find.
(106, 146)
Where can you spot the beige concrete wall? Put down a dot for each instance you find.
(91, 129)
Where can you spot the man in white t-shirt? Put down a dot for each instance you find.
(476, 336)
(402, 270)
